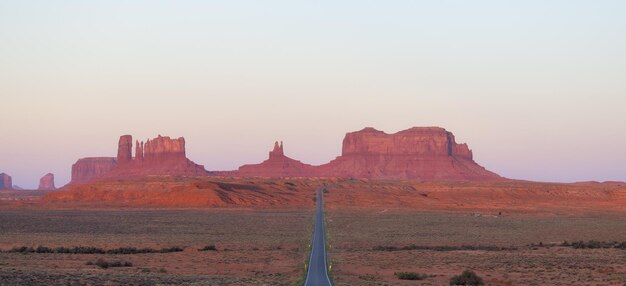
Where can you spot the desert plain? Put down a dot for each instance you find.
(259, 231)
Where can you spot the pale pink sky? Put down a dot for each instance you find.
(536, 90)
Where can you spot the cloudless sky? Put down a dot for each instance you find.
(536, 88)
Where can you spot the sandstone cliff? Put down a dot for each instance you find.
(161, 156)
(87, 169)
(6, 183)
(46, 183)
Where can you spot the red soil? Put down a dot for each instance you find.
(484, 197)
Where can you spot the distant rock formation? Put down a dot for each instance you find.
(87, 169)
(424, 153)
(138, 151)
(278, 165)
(163, 148)
(158, 156)
(6, 182)
(124, 149)
(46, 183)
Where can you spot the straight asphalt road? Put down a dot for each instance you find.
(318, 265)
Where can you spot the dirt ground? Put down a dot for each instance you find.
(353, 235)
(262, 229)
(253, 247)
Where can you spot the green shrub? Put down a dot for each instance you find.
(410, 276)
(467, 278)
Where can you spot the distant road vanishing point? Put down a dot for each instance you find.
(318, 265)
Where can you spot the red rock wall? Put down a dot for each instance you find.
(124, 149)
(6, 183)
(422, 141)
(138, 151)
(87, 169)
(164, 148)
(46, 183)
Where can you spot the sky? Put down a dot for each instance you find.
(536, 88)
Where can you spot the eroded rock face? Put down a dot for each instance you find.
(87, 169)
(162, 156)
(124, 149)
(164, 148)
(6, 183)
(138, 151)
(278, 165)
(46, 183)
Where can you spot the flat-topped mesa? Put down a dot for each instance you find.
(87, 169)
(278, 165)
(46, 183)
(417, 141)
(426, 153)
(6, 183)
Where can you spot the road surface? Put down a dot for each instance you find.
(318, 265)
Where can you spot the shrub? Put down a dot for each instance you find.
(208, 247)
(444, 248)
(106, 264)
(467, 278)
(410, 276)
(93, 250)
(171, 249)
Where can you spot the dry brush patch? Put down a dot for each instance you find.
(370, 247)
(252, 247)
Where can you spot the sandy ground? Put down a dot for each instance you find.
(353, 234)
(262, 229)
(254, 247)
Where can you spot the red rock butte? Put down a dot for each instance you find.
(6, 183)
(424, 153)
(278, 165)
(159, 156)
(46, 183)
(421, 153)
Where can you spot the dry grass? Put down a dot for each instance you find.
(354, 235)
(255, 247)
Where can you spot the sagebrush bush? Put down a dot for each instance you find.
(410, 276)
(106, 264)
(208, 248)
(467, 278)
(93, 250)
